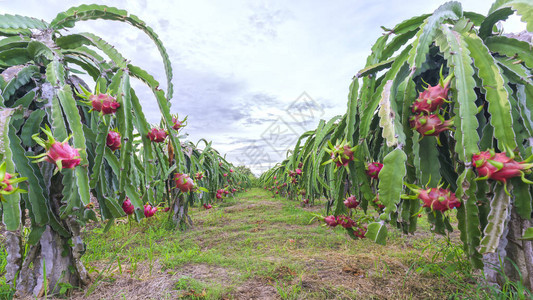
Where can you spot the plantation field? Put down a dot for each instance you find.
(257, 247)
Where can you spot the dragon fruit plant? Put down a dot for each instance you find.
(476, 99)
(57, 135)
(437, 92)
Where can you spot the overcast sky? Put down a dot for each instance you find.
(244, 71)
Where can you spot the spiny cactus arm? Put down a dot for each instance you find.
(22, 77)
(103, 129)
(499, 211)
(514, 70)
(524, 94)
(368, 112)
(486, 27)
(391, 181)
(496, 90)
(93, 12)
(512, 48)
(523, 8)
(131, 191)
(125, 126)
(377, 232)
(351, 113)
(11, 204)
(474, 17)
(389, 118)
(21, 23)
(396, 43)
(373, 69)
(36, 196)
(143, 128)
(449, 11)
(522, 199)
(427, 160)
(410, 24)
(454, 48)
(75, 41)
(360, 180)
(14, 57)
(468, 216)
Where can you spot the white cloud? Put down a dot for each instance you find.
(239, 64)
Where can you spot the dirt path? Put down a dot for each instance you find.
(256, 247)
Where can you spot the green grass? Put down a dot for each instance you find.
(256, 237)
(255, 243)
(5, 291)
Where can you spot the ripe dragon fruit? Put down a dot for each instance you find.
(113, 140)
(298, 172)
(128, 207)
(430, 125)
(207, 206)
(431, 99)
(219, 196)
(360, 231)
(60, 154)
(184, 183)
(149, 211)
(300, 165)
(341, 154)
(351, 202)
(378, 203)
(8, 182)
(500, 167)
(331, 221)
(345, 221)
(231, 170)
(305, 201)
(225, 174)
(372, 169)
(104, 103)
(177, 124)
(157, 135)
(437, 199)
(63, 155)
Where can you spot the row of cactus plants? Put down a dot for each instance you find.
(444, 104)
(71, 153)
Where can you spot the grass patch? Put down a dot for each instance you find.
(253, 245)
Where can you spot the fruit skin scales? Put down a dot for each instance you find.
(157, 135)
(113, 140)
(373, 168)
(431, 99)
(499, 167)
(63, 155)
(104, 103)
(430, 125)
(128, 207)
(184, 183)
(351, 202)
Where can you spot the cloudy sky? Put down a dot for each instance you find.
(250, 75)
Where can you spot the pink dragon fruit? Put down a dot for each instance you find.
(372, 169)
(177, 124)
(430, 125)
(360, 231)
(351, 202)
(113, 140)
(149, 211)
(104, 103)
(438, 199)
(431, 99)
(498, 166)
(157, 135)
(128, 207)
(331, 221)
(184, 183)
(345, 221)
(208, 206)
(63, 155)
